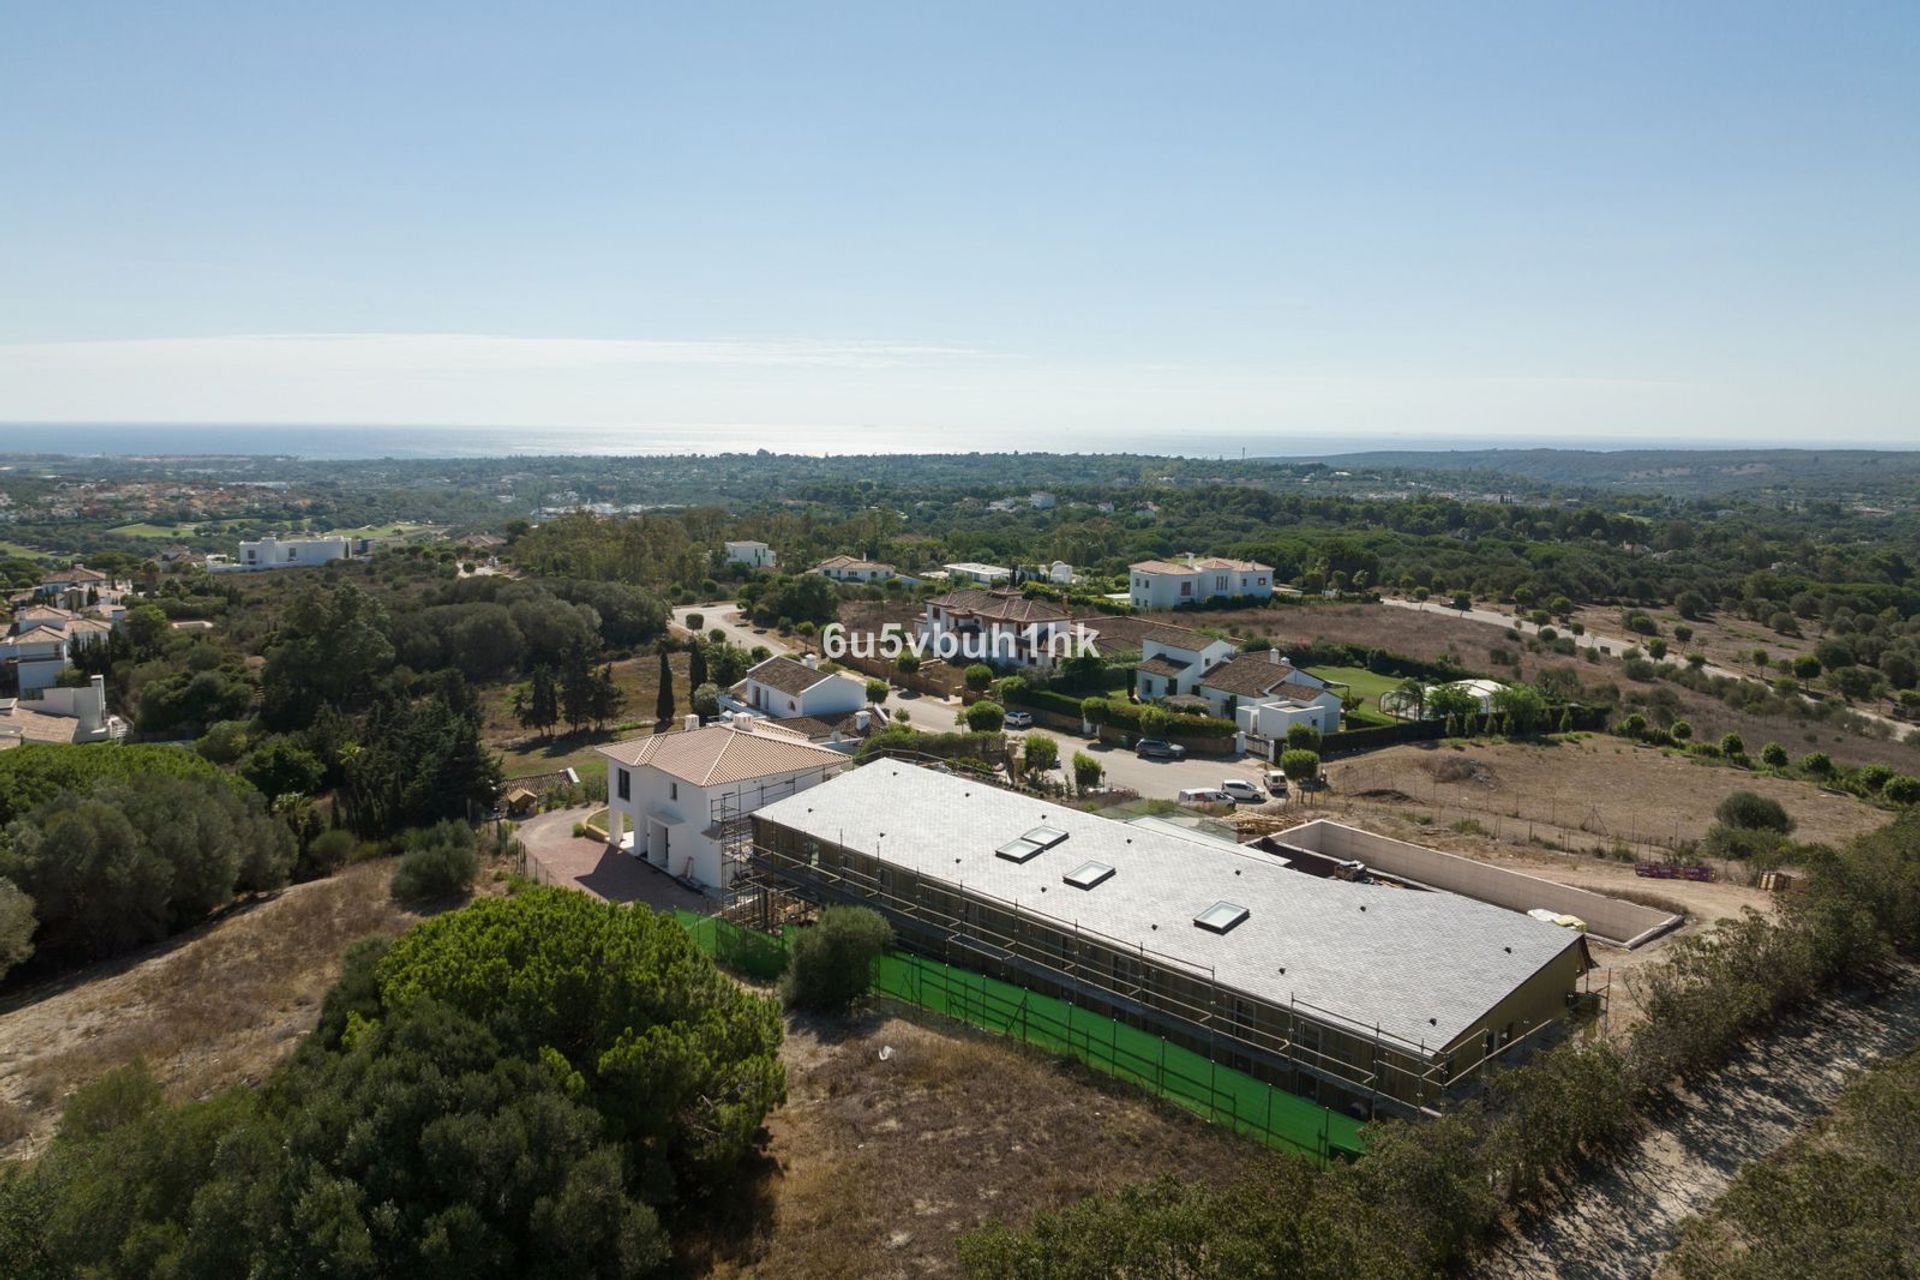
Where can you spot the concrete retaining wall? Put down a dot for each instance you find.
(1611, 919)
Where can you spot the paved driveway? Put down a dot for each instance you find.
(1153, 779)
(736, 627)
(556, 856)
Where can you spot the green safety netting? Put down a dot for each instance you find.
(1222, 1094)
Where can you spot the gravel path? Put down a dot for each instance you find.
(1619, 1222)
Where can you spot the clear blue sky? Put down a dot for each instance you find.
(1063, 224)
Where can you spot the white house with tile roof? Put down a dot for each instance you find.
(671, 797)
(854, 569)
(785, 688)
(1190, 580)
(1174, 659)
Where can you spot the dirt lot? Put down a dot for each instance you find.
(1727, 639)
(1434, 635)
(1560, 810)
(220, 1005)
(878, 1166)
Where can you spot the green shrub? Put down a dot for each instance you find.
(985, 716)
(1817, 764)
(16, 926)
(1040, 752)
(832, 965)
(117, 1098)
(978, 676)
(1300, 765)
(328, 852)
(1751, 812)
(1303, 737)
(1902, 789)
(1774, 756)
(440, 862)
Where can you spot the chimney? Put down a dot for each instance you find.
(812, 661)
(743, 723)
(1273, 656)
(690, 722)
(861, 719)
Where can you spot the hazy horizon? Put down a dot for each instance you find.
(1073, 224)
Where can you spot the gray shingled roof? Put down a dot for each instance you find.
(1422, 966)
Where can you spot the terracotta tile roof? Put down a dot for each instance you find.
(1001, 606)
(79, 573)
(851, 562)
(787, 676)
(1199, 564)
(722, 753)
(1161, 665)
(1251, 675)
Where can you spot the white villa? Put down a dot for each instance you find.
(60, 715)
(677, 799)
(44, 640)
(984, 574)
(282, 553)
(1001, 627)
(1173, 660)
(853, 569)
(785, 688)
(754, 555)
(1267, 695)
(1062, 572)
(1168, 584)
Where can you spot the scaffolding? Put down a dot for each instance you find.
(1374, 1068)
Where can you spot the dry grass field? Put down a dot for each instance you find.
(524, 752)
(877, 1166)
(222, 1004)
(1473, 645)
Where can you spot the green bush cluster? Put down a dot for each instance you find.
(523, 1088)
(1130, 716)
(832, 961)
(437, 862)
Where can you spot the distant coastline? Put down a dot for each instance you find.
(320, 442)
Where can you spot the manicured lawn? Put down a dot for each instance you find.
(1365, 687)
(398, 529)
(15, 549)
(149, 530)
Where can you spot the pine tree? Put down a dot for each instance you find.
(537, 706)
(576, 690)
(608, 699)
(696, 665)
(663, 706)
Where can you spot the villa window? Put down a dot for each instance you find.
(673, 791)
(625, 785)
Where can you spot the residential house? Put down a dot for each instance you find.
(43, 641)
(754, 555)
(1174, 660)
(60, 715)
(1191, 580)
(60, 582)
(678, 799)
(1062, 572)
(282, 553)
(854, 569)
(1267, 695)
(1040, 500)
(785, 687)
(1002, 628)
(984, 574)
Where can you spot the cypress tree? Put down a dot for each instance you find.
(663, 706)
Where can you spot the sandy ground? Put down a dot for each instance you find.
(1617, 1222)
(877, 1166)
(222, 1004)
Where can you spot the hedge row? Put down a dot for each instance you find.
(1126, 715)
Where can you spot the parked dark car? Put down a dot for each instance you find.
(1158, 749)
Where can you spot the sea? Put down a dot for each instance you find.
(323, 442)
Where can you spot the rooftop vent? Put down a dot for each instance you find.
(1221, 916)
(1088, 874)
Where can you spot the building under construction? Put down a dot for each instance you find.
(1363, 992)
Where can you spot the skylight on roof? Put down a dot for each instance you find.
(1020, 850)
(1045, 837)
(1221, 916)
(1087, 874)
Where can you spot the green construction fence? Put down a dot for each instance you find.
(1254, 1108)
